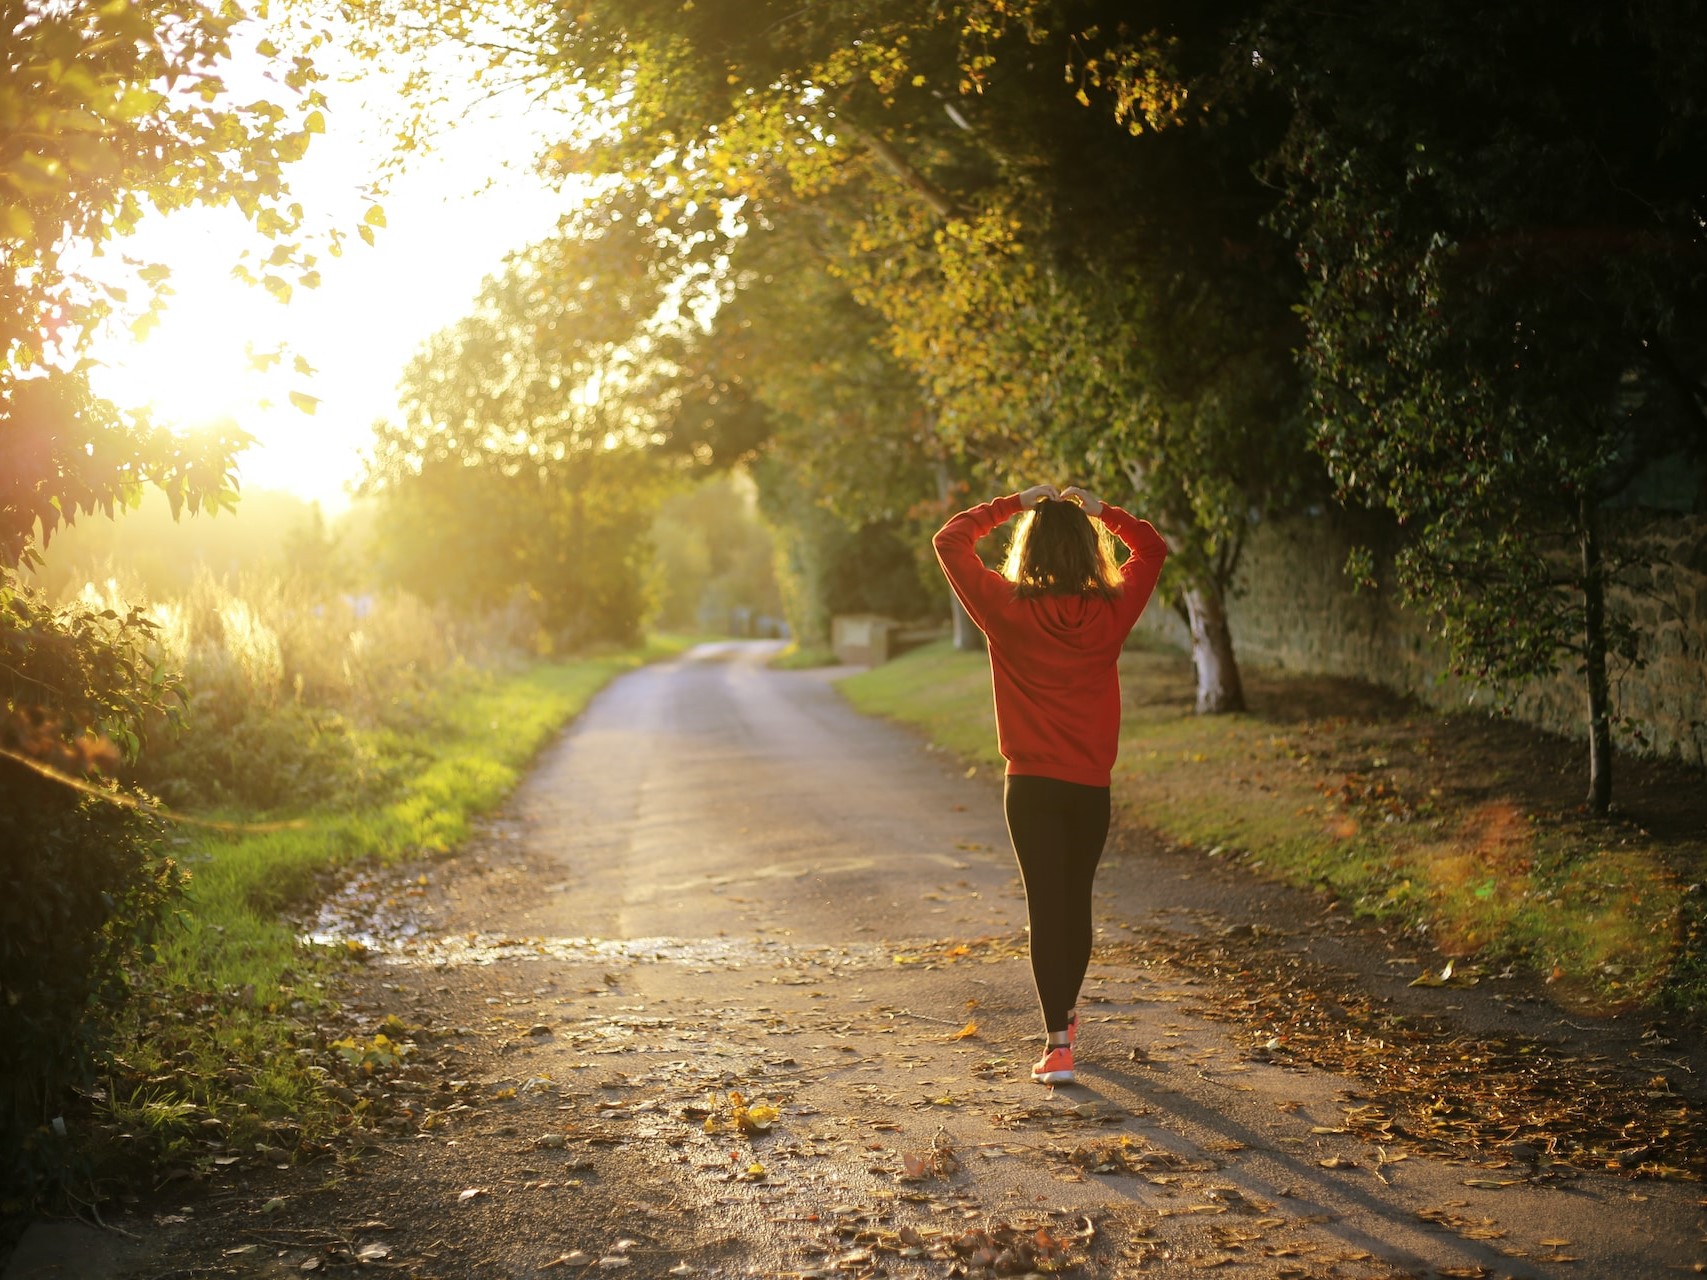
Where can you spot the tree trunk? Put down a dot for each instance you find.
(1594, 661)
(967, 637)
(1218, 686)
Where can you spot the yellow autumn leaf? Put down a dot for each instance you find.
(756, 1118)
(967, 1032)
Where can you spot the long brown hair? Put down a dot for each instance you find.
(1058, 550)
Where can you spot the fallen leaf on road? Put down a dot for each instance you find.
(967, 1032)
(473, 1193)
(1445, 978)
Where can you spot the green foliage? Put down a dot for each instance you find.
(826, 565)
(566, 543)
(851, 466)
(520, 467)
(84, 886)
(84, 880)
(76, 679)
(1070, 234)
(285, 685)
(713, 556)
(849, 425)
(105, 110)
(1040, 276)
(1500, 339)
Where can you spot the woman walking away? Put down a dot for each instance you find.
(1056, 619)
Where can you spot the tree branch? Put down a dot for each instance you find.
(898, 165)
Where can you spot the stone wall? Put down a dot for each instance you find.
(1295, 610)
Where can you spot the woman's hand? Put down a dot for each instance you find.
(1029, 498)
(1089, 501)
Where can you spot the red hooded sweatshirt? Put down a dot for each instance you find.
(1053, 658)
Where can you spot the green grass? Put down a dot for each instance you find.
(795, 658)
(224, 1022)
(944, 692)
(1461, 826)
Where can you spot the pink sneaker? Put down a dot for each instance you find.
(1056, 1066)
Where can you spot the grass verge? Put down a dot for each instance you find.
(796, 658)
(1467, 829)
(217, 1059)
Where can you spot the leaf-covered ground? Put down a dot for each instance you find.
(651, 1023)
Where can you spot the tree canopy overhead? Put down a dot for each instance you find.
(1048, 208)
(1189, 254)
(1506, 301)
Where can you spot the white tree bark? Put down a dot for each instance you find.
(1219, 688)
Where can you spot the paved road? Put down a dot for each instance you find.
(722, 881)
(775, 890)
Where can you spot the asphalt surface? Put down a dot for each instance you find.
(721, 881)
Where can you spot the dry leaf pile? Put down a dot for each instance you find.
(1450, 1093)
(1130, 1155)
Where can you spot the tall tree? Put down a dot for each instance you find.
(518, 466)
(1500, 216)
(1073, 269)
(853, 467)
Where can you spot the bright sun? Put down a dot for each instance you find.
(195, 368)
(198, 366)
(450, 219)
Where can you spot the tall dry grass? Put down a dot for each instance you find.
(289, 690)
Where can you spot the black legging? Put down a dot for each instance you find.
(1058, 830)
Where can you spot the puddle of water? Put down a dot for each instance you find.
(374, 913)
